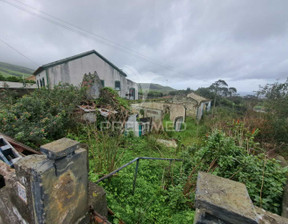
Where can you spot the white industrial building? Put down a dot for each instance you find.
(71, 70)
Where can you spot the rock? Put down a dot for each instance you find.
(168, 143)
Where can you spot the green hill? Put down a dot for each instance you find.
(155, 87)
(7, 70)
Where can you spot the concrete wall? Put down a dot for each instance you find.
(177, 110)
(73, 71)
(132, 85)
(194, 108)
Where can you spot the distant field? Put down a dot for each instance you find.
(155, 87)
(14, 70)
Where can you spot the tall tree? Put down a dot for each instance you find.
(232, 91)
(218, 87)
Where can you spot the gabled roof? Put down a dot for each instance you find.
(198, 98)
(43, 67)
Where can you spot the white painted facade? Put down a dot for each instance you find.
(72, 70)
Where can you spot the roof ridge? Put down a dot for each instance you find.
(74, 57)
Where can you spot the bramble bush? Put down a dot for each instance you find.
(42, 116)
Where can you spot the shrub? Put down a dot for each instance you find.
(276, 105)
(221, 156)
(42, 116)
(13, 79)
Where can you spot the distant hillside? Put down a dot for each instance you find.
(155, 87)
(14, 70)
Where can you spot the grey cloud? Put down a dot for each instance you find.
(189, 42)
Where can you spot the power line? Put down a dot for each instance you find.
(18, 52)
(79, 30)
(76, 29)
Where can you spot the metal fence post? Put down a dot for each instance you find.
(135, 175)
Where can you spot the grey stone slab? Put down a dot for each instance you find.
(60, 148)
(225, 199)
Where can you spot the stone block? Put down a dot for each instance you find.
(225, 199)
(60, 148)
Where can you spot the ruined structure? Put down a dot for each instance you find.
(194, 104)
(156, 112)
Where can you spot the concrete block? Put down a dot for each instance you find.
(225, 199)
(60, 148)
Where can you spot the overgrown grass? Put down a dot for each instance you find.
(192, 133)
(156, 199)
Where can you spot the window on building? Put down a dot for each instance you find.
(102, 82)
(117, 85)
(41, 84)
(43, 81)
(38, 83)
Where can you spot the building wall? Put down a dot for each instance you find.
(131, 84)
(40, 76)
(177, 110)
(73, 71)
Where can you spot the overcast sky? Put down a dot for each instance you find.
(180, 43)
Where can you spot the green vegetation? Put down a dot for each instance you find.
(232, 143)
(15, 79)
(222, 155)
(276, 104)
(7, 70)
(42, 116)
(155, 88)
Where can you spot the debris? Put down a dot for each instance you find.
(8, 154)
(21, 148)
(88, 113)
(105, 112)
